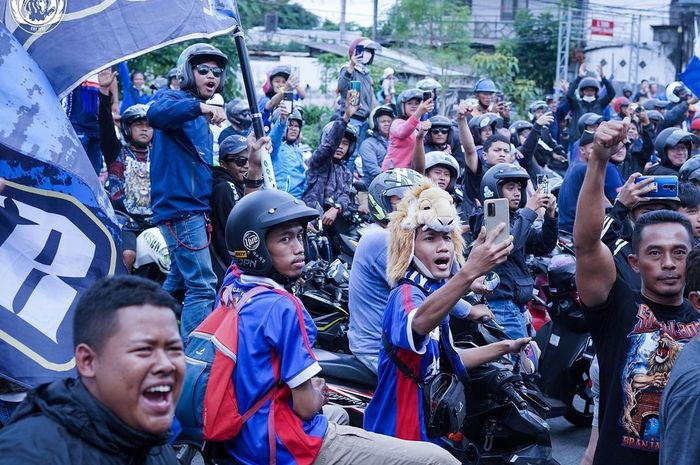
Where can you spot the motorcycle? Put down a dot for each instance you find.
(567, 348)
(504, 423)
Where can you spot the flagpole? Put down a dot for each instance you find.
(249, 85)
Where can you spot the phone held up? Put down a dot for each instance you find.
(288, 100)
(543, 183)
(354, 93)
(496, 211)
(664, 186)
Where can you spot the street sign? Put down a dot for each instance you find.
(602, 27)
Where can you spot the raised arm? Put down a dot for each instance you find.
(109, 143)
(419, 149)
(595, 268)
(471, 160)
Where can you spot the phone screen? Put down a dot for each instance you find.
(359, 50)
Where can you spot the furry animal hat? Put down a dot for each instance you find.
(425, 206)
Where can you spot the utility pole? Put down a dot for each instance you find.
(635, 38)
(563, 41)
(374, 20)
(342, 20)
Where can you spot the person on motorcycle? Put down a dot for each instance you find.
(128, 165)
(440, 136)
(679, 405)
(238, 114)
(228, 188)
(329, 180)
(496, 150)
(588, 99)
(374, 147)
(181, 183)
(673, 147)
(402, 134)
(587, 122)
(509, 181)
(266, 234)
(430, 84)
(287, 157)
(483, 127)
(427, 270)
(484, 90)
(641, 145)
(637, 335)
(279, 80)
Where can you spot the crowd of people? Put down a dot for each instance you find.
(581, 164)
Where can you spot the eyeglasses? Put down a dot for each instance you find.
(440, 131)
(238, 161)
(205, 69)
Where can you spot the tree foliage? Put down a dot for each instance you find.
(436, 31)
(536, 47)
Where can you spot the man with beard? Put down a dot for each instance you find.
(636, 334)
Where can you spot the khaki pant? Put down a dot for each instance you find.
(347, 445)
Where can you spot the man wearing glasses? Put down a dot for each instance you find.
(181, 177)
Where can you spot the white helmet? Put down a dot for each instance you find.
(676, 91)
(152, 248)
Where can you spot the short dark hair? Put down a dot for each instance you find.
(689, 194)
(692, 271)
(95, 318)
(658, 217)
(495, 138)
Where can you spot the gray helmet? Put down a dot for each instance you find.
(479, 122)
(485, 85)
(130, 116)
(690, 171)
(351, 132)
(516, 128)
(280, 70)
(232, 145)
(437, 158)
(653, 104)
(238, 113)
(588, 83)
(251, 219)
(537, 105)
(195, 54)
(393, 182)
(428, 84)
(409, 94)
(296, 115)
(588, 119)
(171, 74)
(500, 174)
(670, 137)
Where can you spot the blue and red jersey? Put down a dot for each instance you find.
(274, 348)
(396, 408)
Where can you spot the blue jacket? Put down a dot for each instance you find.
(288, 162)
(182, 157)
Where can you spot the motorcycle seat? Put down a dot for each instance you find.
(344, 367)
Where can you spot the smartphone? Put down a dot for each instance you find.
(427, 95)
(288, 100)
(665, 186)
(543, 183)
(496, 211)
(359, 50)
(354, 92)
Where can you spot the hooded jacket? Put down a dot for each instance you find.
(579, 107)
(225, 193)
(61, 423)
(366, 91)
(372, 151)
(326, 177)
(287, 161)
(182, 156)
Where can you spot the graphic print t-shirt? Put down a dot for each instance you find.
(637, 342)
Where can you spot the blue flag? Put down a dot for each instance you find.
(58, 233)
(71, 40)
(691, 76)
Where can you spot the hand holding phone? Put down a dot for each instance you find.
(496, 212)
(354, 93)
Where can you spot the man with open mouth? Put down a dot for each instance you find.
(130, 363)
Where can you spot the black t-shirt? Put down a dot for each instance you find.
(471, 186)
(637, 342)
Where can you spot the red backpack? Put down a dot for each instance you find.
(208, 409)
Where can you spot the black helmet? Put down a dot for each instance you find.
(561, 273)
(232, 145)
(397, 182)
(588, 119)
(251, 219)
(438, 158)
(498, 175)
(516, 128)
(130, 116)
(351, 132)
(690, 171)
(439, 121)
(195, 54)
(479, 122)
(670, 137)
(381, 110)
(589, 83)
(238, 113)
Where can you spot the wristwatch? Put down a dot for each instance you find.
(252, 183)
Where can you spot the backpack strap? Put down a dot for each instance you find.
(403, 368)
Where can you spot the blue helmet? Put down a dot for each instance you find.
(485, 85)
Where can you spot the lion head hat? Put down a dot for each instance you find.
(428, 207)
